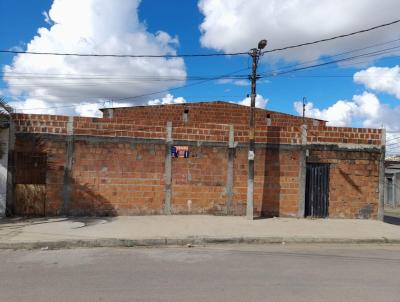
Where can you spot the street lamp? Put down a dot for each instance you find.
(255, 53)
(262, 44)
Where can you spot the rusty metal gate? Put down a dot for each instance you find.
(30, 184)
(317, 190)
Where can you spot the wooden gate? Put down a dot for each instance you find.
(30, 185)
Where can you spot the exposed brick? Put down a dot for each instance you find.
(128, 178)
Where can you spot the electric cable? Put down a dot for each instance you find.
(199, 55)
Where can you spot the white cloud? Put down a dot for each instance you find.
(34, 106)
(339, 114)
(381, 79)
(47, 18)
(392, 144)
(238, 25)
(89, 110)
(364, 109)
(261, 102)
(166, 100)
(92, 110)
(234, 82)
(92, 26)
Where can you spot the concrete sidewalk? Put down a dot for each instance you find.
(178, 230)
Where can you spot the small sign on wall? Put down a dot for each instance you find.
(180, 151)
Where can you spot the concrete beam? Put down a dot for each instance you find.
(302, 173)
(10, 197)
(230, 172)
(4, 138)
(69, 159)
(382, 186)
(394, 190)
(168, 170)
(113, 139)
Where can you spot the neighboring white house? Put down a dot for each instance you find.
(392, 183)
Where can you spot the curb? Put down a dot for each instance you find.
(162, 242)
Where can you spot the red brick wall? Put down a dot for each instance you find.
(344, 135)
(240, 181)
(122, 178)
(199, 182)
(209, 112)
(276, 182)
(56, 156)
(354, 182)
(128, 178)
(197, 131)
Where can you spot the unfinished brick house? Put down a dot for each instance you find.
(127, 163)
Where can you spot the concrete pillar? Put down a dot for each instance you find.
(302, 172)
(69, 158)
(385, 191)
(10, 198)
(230, 171)
(4, 137)
(168, 170)
(110, 113)
(397, 204)
(394, 189)
(382, 186)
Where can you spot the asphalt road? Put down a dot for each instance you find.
(214, 273)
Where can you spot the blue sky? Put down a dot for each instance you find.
(333, 92)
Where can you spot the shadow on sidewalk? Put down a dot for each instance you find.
(24, 221)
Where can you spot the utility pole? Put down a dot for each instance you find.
(304, 109)
(255, 53)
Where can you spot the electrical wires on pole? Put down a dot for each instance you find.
(33, 80)
(198, 55)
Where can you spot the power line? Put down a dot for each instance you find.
(189, 85)
(225, 76)
(113, 99)
(125, 79)
(392, 145)
(333, 38)
(95, 81)
(198, 55)
(129, 80)
(147, 94)
(371, 54)
(230, 74)
(365, 55)
(392, 139)
(248, 65)
(70, 79)
(110, 97)
(341, 54)
(212, 79)
(122, 55)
